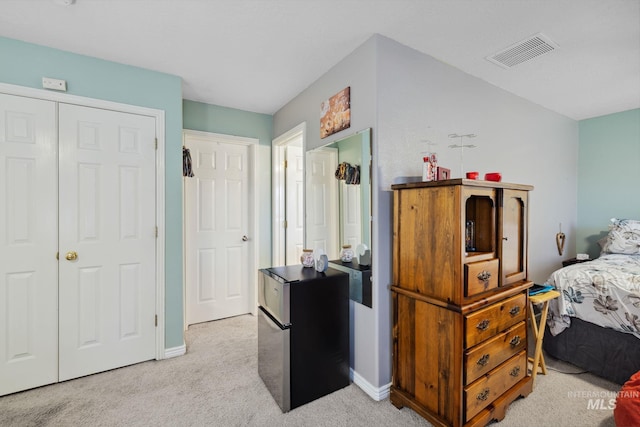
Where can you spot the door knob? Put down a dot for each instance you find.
(71, 255)
(245, 238)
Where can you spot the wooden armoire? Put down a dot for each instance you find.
(460, 299)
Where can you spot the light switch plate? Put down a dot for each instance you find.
(55, 84)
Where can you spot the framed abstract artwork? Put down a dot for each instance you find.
(335, 113)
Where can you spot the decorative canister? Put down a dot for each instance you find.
(429, 166)
(346, 254)
(307, 259)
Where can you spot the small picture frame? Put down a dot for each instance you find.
(443, 173)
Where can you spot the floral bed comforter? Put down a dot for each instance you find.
(605, 291)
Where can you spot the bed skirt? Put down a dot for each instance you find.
(602, 351)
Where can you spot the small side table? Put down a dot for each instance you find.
(538, 330)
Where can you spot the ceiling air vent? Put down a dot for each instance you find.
(523, 51)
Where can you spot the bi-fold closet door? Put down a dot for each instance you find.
(77, 241)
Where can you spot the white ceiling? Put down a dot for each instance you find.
(256, 55)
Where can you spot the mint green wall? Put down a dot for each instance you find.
(25, 64)
(229, 121)
(608, 175)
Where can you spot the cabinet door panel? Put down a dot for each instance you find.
(514, 236)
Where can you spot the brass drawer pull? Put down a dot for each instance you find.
(484, 277)
(483, 360)
(515, 341)
(483, 325)
(515, 310)
(483, 395)
(515, 371)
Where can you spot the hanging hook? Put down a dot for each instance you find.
(560, 238)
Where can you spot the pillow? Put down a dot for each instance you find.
(623, 237)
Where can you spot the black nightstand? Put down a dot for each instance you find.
(572, 261)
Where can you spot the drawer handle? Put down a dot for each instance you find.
(515, 341)
(515, 310)
(483, 325)
(483, 360)
(515, 371)
(483, 395)
(484, 277)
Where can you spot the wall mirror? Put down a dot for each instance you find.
(337, 203)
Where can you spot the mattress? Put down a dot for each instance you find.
(605, 291)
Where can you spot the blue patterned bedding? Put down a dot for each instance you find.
(605, 291)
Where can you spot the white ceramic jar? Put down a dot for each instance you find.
(346, 254)
(307, 259)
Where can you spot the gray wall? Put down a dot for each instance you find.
(357, 71)
(421, 98)
(413, 97)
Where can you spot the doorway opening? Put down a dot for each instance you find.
(288, 196)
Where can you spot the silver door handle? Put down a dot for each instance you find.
(245, 238)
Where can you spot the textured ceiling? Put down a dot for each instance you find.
(256, 55)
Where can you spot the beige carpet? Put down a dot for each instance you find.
(216, 384)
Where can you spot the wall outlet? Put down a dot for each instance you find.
(55, 84)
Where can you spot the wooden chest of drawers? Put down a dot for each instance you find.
(459, 331)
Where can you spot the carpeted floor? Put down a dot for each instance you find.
(217, 384)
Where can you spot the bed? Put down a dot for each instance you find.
(595, 325)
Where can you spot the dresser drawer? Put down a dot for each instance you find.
(480, 276)
(485, 390)
(489, 321)
(486, 356)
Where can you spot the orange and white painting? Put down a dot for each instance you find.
(335, 113)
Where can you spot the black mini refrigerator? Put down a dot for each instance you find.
(303, 333)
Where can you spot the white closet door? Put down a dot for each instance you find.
(107, 217)
(28, 244)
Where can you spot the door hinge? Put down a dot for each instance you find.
(156, 320)
(58, 256)
(156, 143)
(285, 223)
(286, 164)
(156, 231)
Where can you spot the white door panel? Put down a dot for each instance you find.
(350, 216)
(322, 208)
(107, 217)
(216, 230)
(28, 244)
(294, 204)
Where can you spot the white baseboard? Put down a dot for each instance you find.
(376, 393)
(175, 351)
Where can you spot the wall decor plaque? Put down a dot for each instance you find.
(335, 113)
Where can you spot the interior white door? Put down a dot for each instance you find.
(107, 217)
(217, 234)
(322, 202)
(294, 204)
(350, 207)
(28, 244)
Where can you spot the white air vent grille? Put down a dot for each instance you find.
(523, 51)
